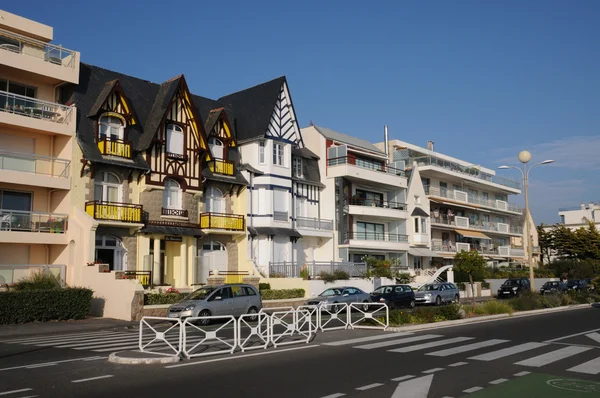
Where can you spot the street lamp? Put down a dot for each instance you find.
(524, 157)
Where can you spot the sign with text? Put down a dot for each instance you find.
(173, 238)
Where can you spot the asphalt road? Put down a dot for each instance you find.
(551, 355)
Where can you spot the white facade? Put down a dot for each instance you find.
(575, 217)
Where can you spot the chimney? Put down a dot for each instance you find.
(582, 206)
(385, 140)
(430, 145)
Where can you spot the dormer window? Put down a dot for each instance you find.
(112, 128)
(174, 139)
(298, 167)
(216, 147)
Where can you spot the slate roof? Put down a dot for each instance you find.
(274, 231)
(310, 167)
(348, 139)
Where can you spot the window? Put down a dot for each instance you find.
(367, 198)
(417, 199)
(215, 202)
(369, 164)
(18, 201)
(562, 219)
(19, 89)
(172, 198)
(261, 152)
(336, 155)
(108, 188)
(109, 250)
(369, 231)
(278, 154)
(238, 291)
(174, 139)
(250, 291)
(297, 167)
(216, 147)
(416, 225)
(111, 128)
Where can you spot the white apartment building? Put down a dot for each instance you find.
(365, 193)
(579, 216)
(468, 205)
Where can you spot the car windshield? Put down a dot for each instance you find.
(331, 292)
(429, 288)
(200, 294)
(510, 282)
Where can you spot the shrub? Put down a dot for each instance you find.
(264, 286)
(304, 273)
(526, 302)
(404, 277)
(44, 305)
(493, 307)
(276, 275)
(37, 281)
(338, 274)
(565, 299)
(550, 301)
(485, 285)
(163, 298)
(281, 294)
(596, 283)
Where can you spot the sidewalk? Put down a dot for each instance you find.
(54, 327)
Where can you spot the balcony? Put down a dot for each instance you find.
(34, 170)
(377, 208)
(460, 196)
(314, 227)
(473, 172)
(484, 250)
(114, 213)
(291, 269)
(354, 169)
(12, 273)
(32, 113)
(376, 240)
(281, 216)
(465, 223)
(221, 166)
(223, 223)
(174, 212)
(118, 148)
(25, 53)
(33, 227)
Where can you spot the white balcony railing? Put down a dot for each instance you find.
(20, 44)
(280, 216)
(464, 222)
(41, 165)
(34, 108)
(488, 250)
(461, 196)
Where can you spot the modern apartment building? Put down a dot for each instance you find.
(579, 216)
(36, 144)
(366, 195)
(469, 206)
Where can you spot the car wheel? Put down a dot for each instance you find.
(203, 322)
(457, 298)
(365, 305)
(253, 310)
(412, 303)
(438, 300)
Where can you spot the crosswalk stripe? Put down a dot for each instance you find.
(553, 356)
(397, 341)
(424, 346)
(466, 348)
(590, 367)
(490, 356)
(369, 338)
(75, 340)
(59, 337)
(135, 344)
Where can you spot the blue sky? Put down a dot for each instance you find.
(482, 79)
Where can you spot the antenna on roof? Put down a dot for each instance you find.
(311, 123)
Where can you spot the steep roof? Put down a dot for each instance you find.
(348, 139)
(161, 102)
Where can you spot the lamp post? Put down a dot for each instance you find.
(524, 157)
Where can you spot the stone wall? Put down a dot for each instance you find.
(120, 172)
(153, 203)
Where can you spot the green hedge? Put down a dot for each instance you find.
(44, 305)
(264, 286)
(163, 298)
(282, 294)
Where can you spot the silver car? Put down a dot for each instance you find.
(437, 293)
(344, 294)
(233, 300)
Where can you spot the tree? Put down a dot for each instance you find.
(545, 242)
(469, 262)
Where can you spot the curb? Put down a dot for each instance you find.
(120, 358)
(487, 318)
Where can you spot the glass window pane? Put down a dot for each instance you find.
(98, 192)
(20, 201)
(113, 194)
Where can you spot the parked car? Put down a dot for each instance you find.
(344, 294)
(591, 286)
(233, 300)
(513, 287)
(394, 296)
(437, 293)
(553, 287)
(578, 285)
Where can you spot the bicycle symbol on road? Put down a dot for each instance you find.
(575, 385)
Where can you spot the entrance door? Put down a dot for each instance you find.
(214, 256)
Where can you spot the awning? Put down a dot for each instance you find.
(177, 231)
(472, 234)
(274, 231)
(422, 252)
(419, 212)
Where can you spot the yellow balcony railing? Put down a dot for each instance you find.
(115, 147)
(113, 211)
(221, 166)
(231, 222)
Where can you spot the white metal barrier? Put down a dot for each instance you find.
(162, 337)
(314, 314)
(287, 320)
(337, 316)
(262, 330)
(209, 335)
(381, 311)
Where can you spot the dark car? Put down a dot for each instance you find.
(513, 287)
(553, 287)
(578, 285)
(591, 286)
(394, 296)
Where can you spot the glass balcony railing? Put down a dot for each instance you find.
(41, 165)
(115, 148)
(31, 221)
(377, 236)
(231, 222)
(113, 211)
(466, 223)
(314, 223)
(34, 108)
(378, 203)
(382, 168)
(50, 53)
(221, 166)
(461, 196)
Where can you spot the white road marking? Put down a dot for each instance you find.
(369, 386)
(52, 337)
(594, 336)
(466, 348)
(94, 359)
(432, 370)
(63, 340)
(92, 379)
(576, 345)
(524, 373)
(34, 364)
(401, 378)
(397, 341)
(369, 338)
(336, 395)
(242, 356)
(424, 346)
(498, 381)
(472, 389)
(490, 356)
(30, 396)
(590, 367)
(553, 356)
(43, 365)
(15, 391)
(457, 364)
(569, 336)
(414, 388)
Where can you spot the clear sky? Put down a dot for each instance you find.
(482, 79)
